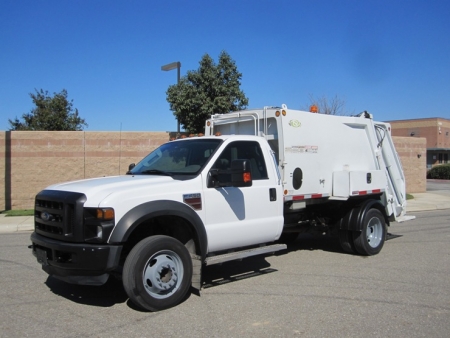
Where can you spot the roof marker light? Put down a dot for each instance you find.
(314, 109)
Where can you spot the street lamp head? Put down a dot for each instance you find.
(171, 66)
(177, 66)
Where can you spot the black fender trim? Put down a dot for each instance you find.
(354, 217)
(149, 210)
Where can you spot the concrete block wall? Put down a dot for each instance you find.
(33, 160)
(413, 154)
(435, 130)
(3, 166)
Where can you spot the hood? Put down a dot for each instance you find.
(97, 189)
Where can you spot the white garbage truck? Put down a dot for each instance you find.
(251, 184)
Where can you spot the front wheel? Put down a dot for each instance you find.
(157, 273)
(371, 239)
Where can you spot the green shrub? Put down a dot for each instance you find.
(27, 212)
(440, 172)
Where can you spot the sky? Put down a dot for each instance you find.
(388, 57)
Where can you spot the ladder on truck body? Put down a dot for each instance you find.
(236, 118)
(394, 172)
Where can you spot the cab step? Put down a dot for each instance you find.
(231, 256)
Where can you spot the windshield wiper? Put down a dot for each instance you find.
(155, 172)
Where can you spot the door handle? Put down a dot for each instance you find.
(273, 194)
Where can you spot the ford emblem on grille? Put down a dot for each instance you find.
(45, 216)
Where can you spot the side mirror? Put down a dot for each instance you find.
(241, 174)
(131, 166)
(213, 179)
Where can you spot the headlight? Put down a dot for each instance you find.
(98, 224)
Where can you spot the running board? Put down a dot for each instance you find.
(231, 256)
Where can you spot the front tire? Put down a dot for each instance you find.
(157, 273)
(371, 239)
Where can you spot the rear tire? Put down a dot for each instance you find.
(157, 273)
(371, 239)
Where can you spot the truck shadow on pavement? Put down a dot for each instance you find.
(107, 295)
(112, 292)
(328, 243)
(312, 242)
(234, 271)
(252, 267)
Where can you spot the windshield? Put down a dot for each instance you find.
(177, 157)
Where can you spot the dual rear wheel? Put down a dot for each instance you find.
(370, 240)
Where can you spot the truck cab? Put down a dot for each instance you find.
(200, 197)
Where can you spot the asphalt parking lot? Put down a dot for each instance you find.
(441, 187)
(312, 290)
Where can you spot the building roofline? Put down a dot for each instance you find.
(419, 119)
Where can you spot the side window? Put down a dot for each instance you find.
(242, 150)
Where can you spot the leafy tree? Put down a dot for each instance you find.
(213, 88)
(324, 105)
(50, 113)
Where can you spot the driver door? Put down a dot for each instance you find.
(237, 217)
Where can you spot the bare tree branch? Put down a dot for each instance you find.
(333, 106)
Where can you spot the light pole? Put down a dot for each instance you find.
(171, 66)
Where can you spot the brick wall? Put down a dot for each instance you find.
(4, 186)
(435, 130)
(414, 166)
(30, 161)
